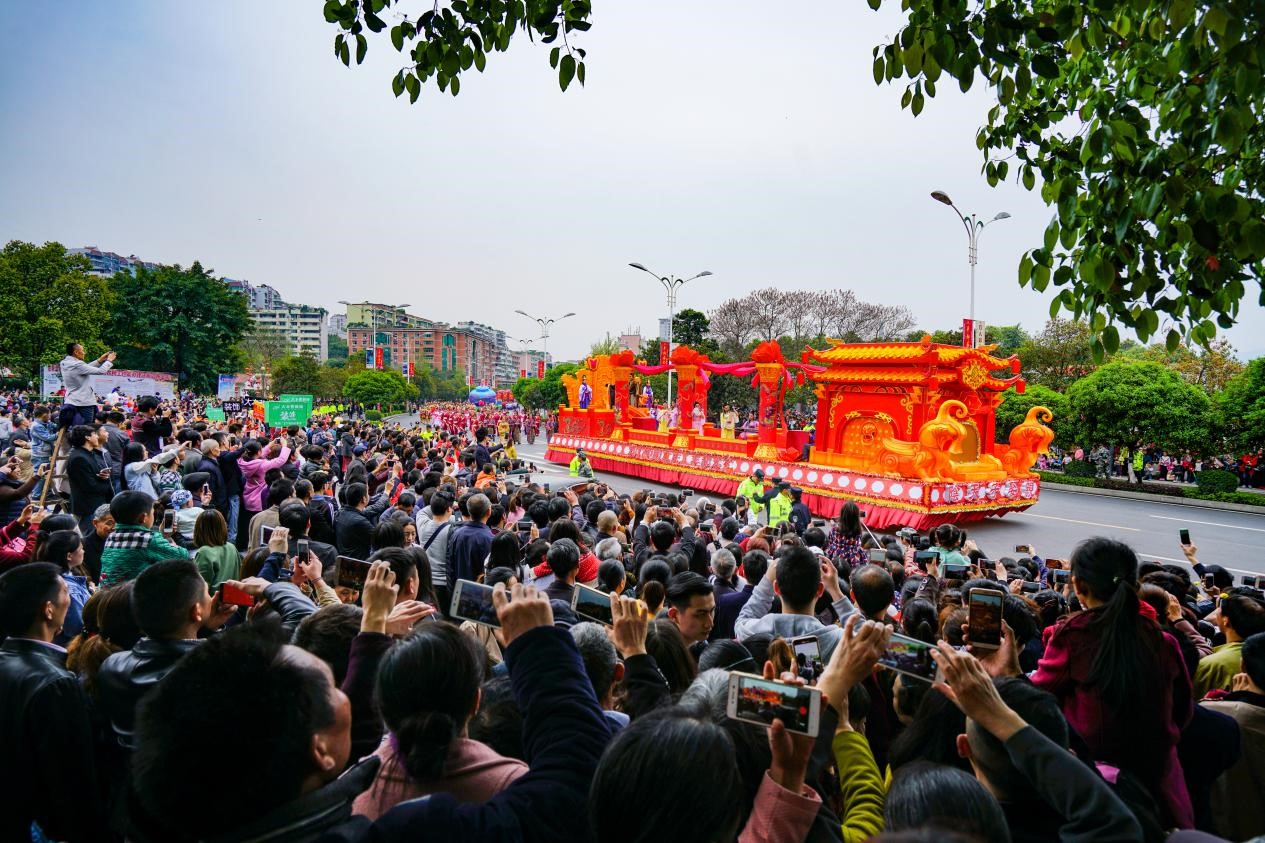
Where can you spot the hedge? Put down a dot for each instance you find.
(1167, 490)
(373, 415)
(1214, 481)
(1080, 468)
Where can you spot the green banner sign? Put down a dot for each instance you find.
(287, 410)
(215, 414)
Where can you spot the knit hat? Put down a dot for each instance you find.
(179, 498)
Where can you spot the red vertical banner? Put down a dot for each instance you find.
(540, 368)
(377, 357)
(664, 352)
(522, 373)
(968, 333)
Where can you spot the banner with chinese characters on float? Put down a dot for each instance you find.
(123, 381)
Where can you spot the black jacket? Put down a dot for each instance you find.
(87, 490)
(353, 528)
(47, 769)
(127, 676)
(219, 488)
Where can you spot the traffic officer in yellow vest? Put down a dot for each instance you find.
(780, 501)
(749, 488)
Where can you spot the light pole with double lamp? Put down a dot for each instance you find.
(544, 322)
(974, 228)
(671, 284)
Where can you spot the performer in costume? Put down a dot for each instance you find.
(586, 392)
(728, 422)
(697, 417)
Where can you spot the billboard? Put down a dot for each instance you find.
(126, 381)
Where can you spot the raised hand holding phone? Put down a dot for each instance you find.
(279, 541)
(378, 597)
(630, 620)
(968, 686)
(790, 751)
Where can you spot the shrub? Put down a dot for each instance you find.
(373, 415)
(1064, 479)
(1079, 468)
(1214, 481)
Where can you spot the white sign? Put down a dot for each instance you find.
(125, 381)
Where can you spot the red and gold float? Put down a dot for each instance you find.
(907, 429)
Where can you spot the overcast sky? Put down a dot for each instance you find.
(731, 136)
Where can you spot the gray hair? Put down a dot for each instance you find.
(598, 654)
(710, 689)
(100, 512)
(723, 564)
(609, 549)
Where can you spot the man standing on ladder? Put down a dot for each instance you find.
(80, 404)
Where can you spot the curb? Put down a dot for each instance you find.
(1143, 496)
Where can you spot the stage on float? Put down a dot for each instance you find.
(905, 429)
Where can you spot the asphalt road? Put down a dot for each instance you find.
(1062, 519)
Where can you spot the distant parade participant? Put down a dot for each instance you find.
(586, 393)
(697, 417)
(728, 422)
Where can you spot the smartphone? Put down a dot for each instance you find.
(231, 595)
(1023, 548)
(169, 522)
(206, 488)
(265, 533)
(922, 557)
(955, 571)
(591, 604)
(1060, 576)
(1184, 535)
(351, 573)
(878, 555)
(754, 699)
(1253, 581)
(301, 549)
(689, 493)
(910, 657)
(1030, 587)
(524, 525)
(1210, 580)
(984, 618)
(472, 601)
(808, 662)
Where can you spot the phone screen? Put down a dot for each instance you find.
(351, 573)
(1185, 537)
(757, 700)
(301, 548)
(808, 663)
(169, 520)
(984, 620)
(265, 533)
(1059, 576)
(955, 571)
(878, 555)
(909, 656)
(1022, 548)
(592, 604)
(472, 601)
(922, 557)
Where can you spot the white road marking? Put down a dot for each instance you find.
(1209, 523)
(1086, 523)
(1146, 556)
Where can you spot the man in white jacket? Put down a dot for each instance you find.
(80, 403)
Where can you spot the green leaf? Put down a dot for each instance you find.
(397, 84)
(1029, 178)
(1215, 19)
(397, 38)
(916, 103)
(879, 67)
(566, 71)
(554, 55)
(1025, 269)
(454, 87)
(362, 47)
(1111, 339)
(1045, 66)
(579, 72)
(1173, 340)
(480, 60)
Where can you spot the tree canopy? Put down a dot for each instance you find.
(377, 386)
(48, 299)
(1140, 403)
(1241, 407)
(1014, 407)
(177, 320)
(299, 375)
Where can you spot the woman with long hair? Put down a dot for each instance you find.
(845, 538)
(64, 548)
(217, 560)
(1119, 678)
(427, 691)
(113, 629)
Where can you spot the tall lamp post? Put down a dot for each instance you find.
(974, 228)
(544, 322)
(671, 284)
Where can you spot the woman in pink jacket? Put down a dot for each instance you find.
(254, 467)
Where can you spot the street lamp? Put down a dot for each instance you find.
(671, 284)
(974, 228)
(544, 322)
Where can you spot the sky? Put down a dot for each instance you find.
(723, 136)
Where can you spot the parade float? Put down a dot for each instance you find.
(905, 429)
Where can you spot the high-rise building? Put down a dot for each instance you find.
(373, 315)
(630, 341)
(338, 325)
(303, 326)
(105, 264)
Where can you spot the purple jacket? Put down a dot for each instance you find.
(253, 472)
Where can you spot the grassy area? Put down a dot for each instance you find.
(1152, 488)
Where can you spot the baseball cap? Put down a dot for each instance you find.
(179, 498)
